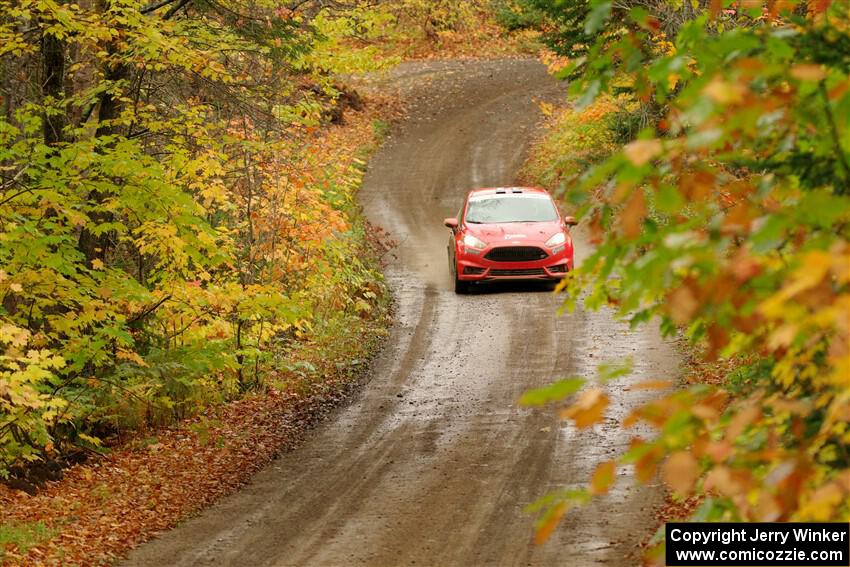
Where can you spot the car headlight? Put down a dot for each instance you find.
(473, 242)
(556, 240)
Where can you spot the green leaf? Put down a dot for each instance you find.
(597, 18)
(639, 15)
(553, 392)
(615, 369)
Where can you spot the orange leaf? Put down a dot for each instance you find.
(680, 472)
(646, 466)
(631, 419)
(744, 267)
(597, 233)
(738, 218)
(838, 90)
(705, 412)
(640, 152)
(714, 7)
(683, 302)
(548, 526)
(820, 6)
(740, 421)
(719, 451)
(697, 186)
(633, 214)
(808, 72)
(722, 480)
(724, 92)
(718, 337)
(652, 385)
(603, 478)
(588, 409)
(767, 509)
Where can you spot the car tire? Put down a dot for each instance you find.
(461, 287)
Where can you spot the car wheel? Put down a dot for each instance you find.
(461, 287)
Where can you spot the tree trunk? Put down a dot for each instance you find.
(95, 246)
(53, 65)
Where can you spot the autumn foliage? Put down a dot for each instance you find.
(720, 208)
(176, 209)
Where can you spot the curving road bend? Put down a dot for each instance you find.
(433, 462)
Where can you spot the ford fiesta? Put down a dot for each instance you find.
(512, 233)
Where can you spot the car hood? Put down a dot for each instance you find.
(513, 231)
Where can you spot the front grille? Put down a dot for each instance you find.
(521, 272)
(516, 254)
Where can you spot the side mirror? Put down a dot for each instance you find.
(451, 223)
(570, 221)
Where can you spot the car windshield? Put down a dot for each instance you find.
(491, 209)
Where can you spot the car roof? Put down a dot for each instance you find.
(507, 190)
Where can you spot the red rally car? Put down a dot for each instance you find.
(509, 233)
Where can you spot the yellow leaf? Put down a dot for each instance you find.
(822, 502)
(724, 92)
(89, 439)
(130, 356)
(816, 265)
(546, 108)
(15, 336)
(782, 336)
(97, 264)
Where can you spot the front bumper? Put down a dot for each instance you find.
(476, 268)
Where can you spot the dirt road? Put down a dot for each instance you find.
(434, 462)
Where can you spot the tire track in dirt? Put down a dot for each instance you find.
(433, 462)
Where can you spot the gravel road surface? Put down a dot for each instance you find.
(433, 461)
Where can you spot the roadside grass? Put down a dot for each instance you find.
(381, 129)
(17, 538)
